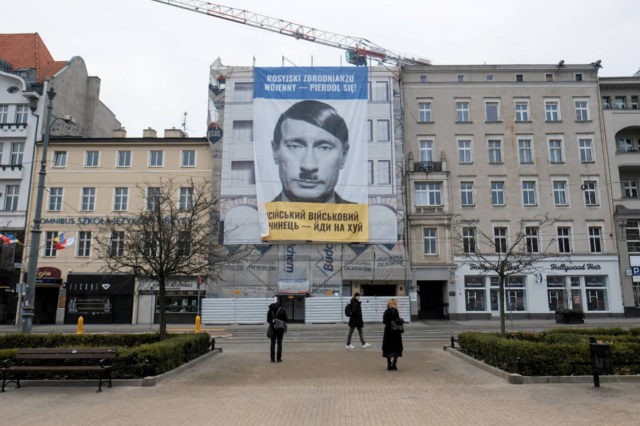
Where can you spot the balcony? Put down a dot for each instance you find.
(429, 209)
(427, 166)
(13, 130)
(11, 171)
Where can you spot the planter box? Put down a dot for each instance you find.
(569, 318)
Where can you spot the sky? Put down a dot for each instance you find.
(153, 59)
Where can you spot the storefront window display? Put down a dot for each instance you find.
(515, 290)
(556, 293)
(596, 293)
(475, 293)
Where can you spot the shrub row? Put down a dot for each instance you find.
(150, 357)
(561, 355)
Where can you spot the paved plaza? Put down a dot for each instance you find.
(322, 383)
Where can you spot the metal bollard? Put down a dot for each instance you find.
(80, 325)
(197, 324)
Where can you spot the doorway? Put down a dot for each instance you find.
(432, 305)
(46, 303)
(293, 306)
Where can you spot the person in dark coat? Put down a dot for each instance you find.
(392, 340)
(355, 321)
(276, 311)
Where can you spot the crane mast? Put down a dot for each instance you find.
(357, 49)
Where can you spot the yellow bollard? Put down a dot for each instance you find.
(80, 325)
(198, 324)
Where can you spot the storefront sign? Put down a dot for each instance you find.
(48, 275)
(100, 284)
(569, 267)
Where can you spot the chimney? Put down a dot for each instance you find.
(120, 133)
(174, 133)
(149, 133)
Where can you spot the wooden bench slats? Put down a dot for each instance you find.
(57, 368)
(66, 356)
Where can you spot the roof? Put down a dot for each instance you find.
(29, 51)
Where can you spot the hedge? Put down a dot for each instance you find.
(139, 355)
(555, 353)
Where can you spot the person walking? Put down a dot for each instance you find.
(354, 312)
(392, 339)
(277, 319)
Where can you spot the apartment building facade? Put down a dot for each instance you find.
(491, 152)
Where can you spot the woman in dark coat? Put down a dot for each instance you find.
(276, 311)
(355, 321)
(392, 340)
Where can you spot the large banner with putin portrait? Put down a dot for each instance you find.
(310, 147)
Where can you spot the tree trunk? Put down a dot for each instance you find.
(501, 300)
(163, 308)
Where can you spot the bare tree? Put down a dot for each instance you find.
(172, 235)
(503, 254)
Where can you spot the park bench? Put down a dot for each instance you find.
(58, 359)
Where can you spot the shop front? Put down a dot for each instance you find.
(48, 285)
(183, 297)
(99, 298)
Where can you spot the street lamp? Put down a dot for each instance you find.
(30, 288)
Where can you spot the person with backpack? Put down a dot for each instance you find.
(277, 319)
(354, 311)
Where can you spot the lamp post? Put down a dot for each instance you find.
(30, 289)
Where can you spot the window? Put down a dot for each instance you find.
(150, 243)
(426, 151)
(630, 188)
(88, 199)
(519, 78)
(606, 102)
(462, 111)
(579, 77)
(423, 78)
(153, 197)
(525, 151)
(369, 130)
(384, 172)
(11, 197)
(430, 241)
(466, 193)
(551, 111)
(586, 150)
(117, 243)
(474, 292)
(460, 78)
(522, 111)
(84, 244)
(184, 243)
(464, 151)
(383, 130)
(515, 293)
(531, 239)
(490, 77)
(17, 151)
(188, 158)
(60, 159)
(91, 158)
(497, 193)
(243, 131)
(428, 194)
(243, 173)
(500, 239)
(55, 199)
(380, 91)
(560, 192)
(495, 151)
(595, 239)
(620, 102)
(469, 239)
(556, 293)
(370, 172)
(589, 191)
(632, 235)
(625, 145)
(1, 149)
(529, 193)
(582, 110)
(22, 113)
(121, 199)
(243, 92)
(124, 158)
(596, 292)
(564, 241)
(492, 111)
(49, 248)
(4, 114)
(186, 198)
(555, 151)
(424, 112)
(156, 158)
(548, 77)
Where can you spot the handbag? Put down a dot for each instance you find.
(270, 331)
(278, 324)
(396, 326)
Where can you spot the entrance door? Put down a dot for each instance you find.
(432, 300)
(122, 309)
(46, 303)
(293, 306)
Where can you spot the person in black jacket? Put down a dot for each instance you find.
(355, 321)
(276, 311)
(392, 340)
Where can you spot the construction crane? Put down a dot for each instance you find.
(357, 49)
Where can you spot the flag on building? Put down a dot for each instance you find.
(61, 243)
(8, 239)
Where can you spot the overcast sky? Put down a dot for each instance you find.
(154, 59)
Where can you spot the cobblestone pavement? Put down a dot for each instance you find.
(324, 384)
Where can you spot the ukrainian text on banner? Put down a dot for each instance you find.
(310, 148)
